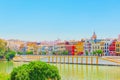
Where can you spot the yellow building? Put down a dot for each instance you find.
(102, 47)
(117, 47)
(79, 48)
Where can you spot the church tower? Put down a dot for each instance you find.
(94, 36)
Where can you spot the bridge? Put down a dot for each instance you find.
(67, 59)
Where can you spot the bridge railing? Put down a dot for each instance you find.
(71, 59)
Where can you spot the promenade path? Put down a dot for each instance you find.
(115, 59)
(89, 60)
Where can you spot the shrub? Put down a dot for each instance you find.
(43, 52)
(86, 52)
(35, 71)
(99, 52)
(53, 52)
(20, 53)
(29, 52)
(65, 52)
(10, 55)
(94, 52)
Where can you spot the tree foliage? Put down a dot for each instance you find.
(99, 52)
(94, 53)
(20, 53)
(10, 54)
(65, 52)
(35, 71)
(3, 47)
(86, 52)
(29, 52)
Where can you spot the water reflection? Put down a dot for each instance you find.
(75, 72)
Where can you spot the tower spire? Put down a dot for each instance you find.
(94, 36)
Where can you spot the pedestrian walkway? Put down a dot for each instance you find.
(115, 59)
(88, 60)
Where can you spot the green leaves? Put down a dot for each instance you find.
(86, 52)
(98, 52)
(29, 52)
(10, 55)
(65, 52)
(3, 47)
(35, 71)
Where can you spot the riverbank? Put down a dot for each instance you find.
(4, 76)
(82, 60)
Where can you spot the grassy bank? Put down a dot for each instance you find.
(4, 76)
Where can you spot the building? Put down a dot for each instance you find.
(87, 46)
(79, 48)
(94, 36)
(102, 46)
(32, 46)
(95, 46)
(14, 44)
(119, 37)
(117, 47)
(112, 48)
(70, 48)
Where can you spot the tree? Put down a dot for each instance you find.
(94, 53)
(20, 53)
(43, 53)
(53, 52)
(99, 52)
(10, 55)
(86, 52)
(29, 52)
(3, 47)
(35, 71)
(65, 52)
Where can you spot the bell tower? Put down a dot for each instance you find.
(94, 36)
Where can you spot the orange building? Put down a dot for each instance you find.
(117, 47)
(79, 48)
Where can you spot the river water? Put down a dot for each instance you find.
(74, 71)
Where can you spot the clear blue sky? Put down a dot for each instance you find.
(65, 19)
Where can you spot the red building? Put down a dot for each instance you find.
(70, 48)
(112, 50)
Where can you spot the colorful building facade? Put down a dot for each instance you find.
(79, 48)
(117, 48)
(112, 48)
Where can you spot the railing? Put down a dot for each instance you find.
(61, 59)
(72, 59)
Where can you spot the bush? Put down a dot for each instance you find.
(99, 52)
(94, 52)
(65, 52)
(29, 52)
(20, 53)
(35, 71)
(86, 52)
(53, 52)
(43, 52)
(10, 55)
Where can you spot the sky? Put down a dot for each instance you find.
(38, 20)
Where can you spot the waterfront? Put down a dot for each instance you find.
(74, 71)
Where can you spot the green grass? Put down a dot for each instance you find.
(4, 76)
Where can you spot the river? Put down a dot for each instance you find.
(74, 71)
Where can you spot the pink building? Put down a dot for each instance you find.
(119, 37)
